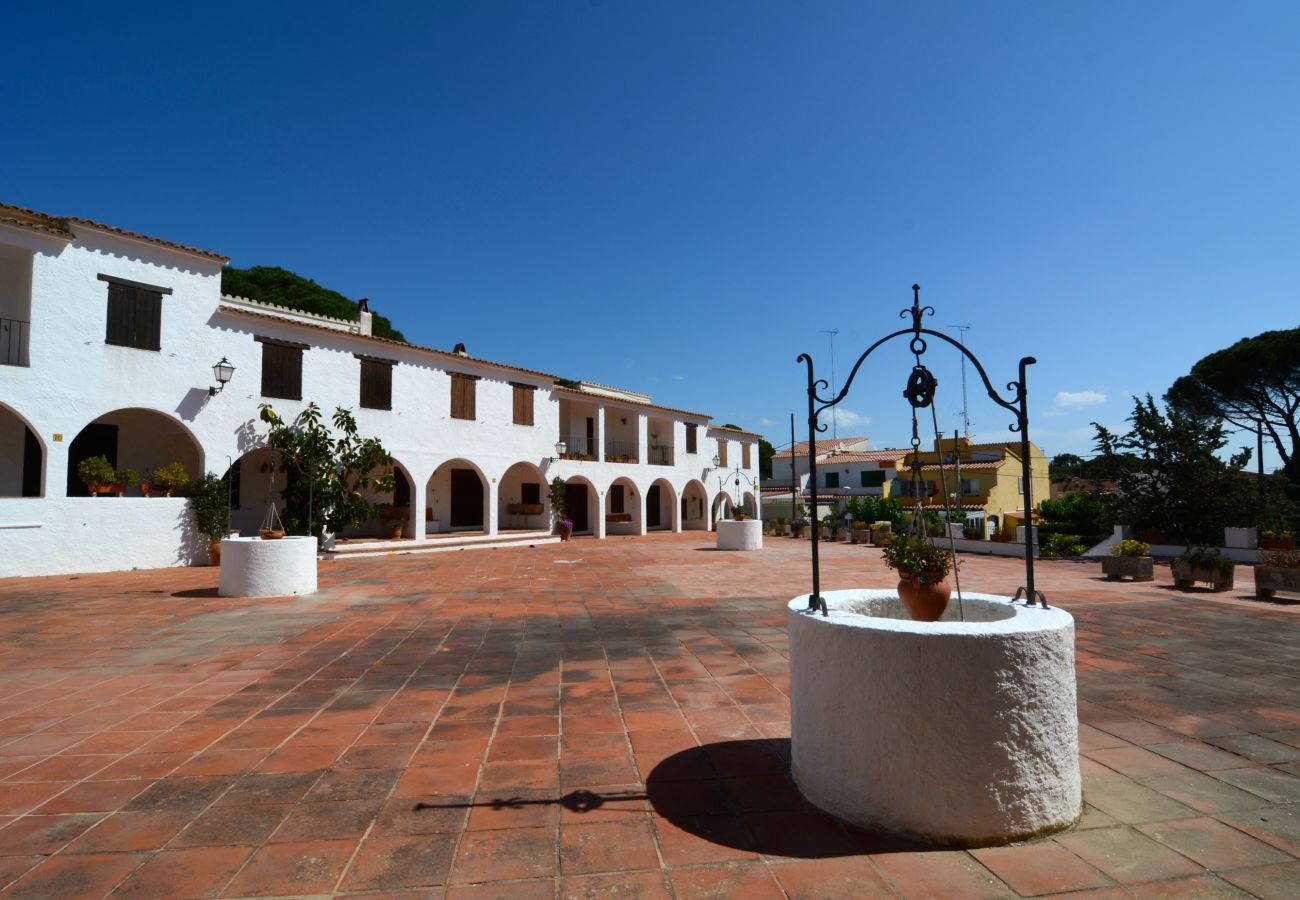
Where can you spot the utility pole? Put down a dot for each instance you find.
(832, 332)
(965, 410)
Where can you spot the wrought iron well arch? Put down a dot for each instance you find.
(920, 393)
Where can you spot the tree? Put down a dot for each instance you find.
(1253, 383)
(765, 453)
(326, 474)
(271, 284)
(1182, 488)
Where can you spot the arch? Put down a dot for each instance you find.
(458, 495)
(390, 506)
(134, 438)
(661, 508)
(253, 482)
(624, 505)
(694, 507)
(583, 502)
(522, 498)
(22, 456)
(721, 508)
(749, 504)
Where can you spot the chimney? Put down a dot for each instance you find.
(365, 320)
(459, 350)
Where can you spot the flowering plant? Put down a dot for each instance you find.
(566, 524)
(1131, 548)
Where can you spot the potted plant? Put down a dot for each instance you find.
(124, 478)
(1279, 539)
(208, 500)
(737, 512)
(557, 493)
(922, 569)
(1278, 570)
(97, 474)
(1129, 559)
(1203, 564)
(860, 532)
(170, 478)
(880, 532)
(395, 527)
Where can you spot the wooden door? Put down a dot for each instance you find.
(575, 506)
(653, 516)
(466, 499)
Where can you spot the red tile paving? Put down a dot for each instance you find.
(589, 719)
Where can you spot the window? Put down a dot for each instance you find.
(530, 492)
(690, 439)
(376, 383)
(744, 455)
(523, 403)
(872, 478)
(616, 498)
(1020, 483)
(281, 368)
(722, 454)
(970, 486)
(832, 479)
(134, 314)
(462, 395)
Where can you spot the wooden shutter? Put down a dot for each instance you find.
(523, 404)
(134, 317)
(281, 369)
(376, 383)
(745, 454)
(462, 396)
(690, 438)
(722, 454)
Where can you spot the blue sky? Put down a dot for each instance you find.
(679, 198)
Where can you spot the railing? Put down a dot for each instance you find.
(576, 447)
(13, 342)
(620, 451)
(661, 456)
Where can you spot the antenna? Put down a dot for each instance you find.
(835, 435)
(965, 410)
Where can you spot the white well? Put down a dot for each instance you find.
(954, 732)
(744, 535)
(252, 567)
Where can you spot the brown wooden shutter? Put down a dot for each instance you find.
(281, 369)
(690, 439)
(376, 383)
(462, 396)
(523, 404)
(722, 453)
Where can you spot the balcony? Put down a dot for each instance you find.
(577, 447)
(660, 455)
(620, 451)
(13, 342)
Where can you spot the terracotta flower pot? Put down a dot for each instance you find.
(565, 533)
(268, 534)
(925, 600)
(214, 552)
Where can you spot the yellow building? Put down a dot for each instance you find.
(991, 481)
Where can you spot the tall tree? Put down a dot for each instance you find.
(1253, 383)
(765, 453)
(270, 284)
(1182, 489)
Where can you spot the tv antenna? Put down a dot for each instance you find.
(965, 410)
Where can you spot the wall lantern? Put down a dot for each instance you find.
(560, 448)
(223, 372)
(717, 460)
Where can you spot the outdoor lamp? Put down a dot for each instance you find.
(222, 371)
(560, 448)
(717, 460)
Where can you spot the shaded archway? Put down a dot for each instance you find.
(582, 504)
(749, 505)
(253, 483)
(623, 507)
(722, 505)
(136, 438)
(392, 508)
(694, 507)
(22, 456)
(661, 513)
(457, 494)
(522, 501)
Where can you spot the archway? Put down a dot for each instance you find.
(22, 457)
(138, 439)
(582, 504)
(522, 501)
(749, 505)
(392, 508)
(661, 507)
(457, 497)
(694, 507)
(722, 507)
(623, 507)
(253, 483)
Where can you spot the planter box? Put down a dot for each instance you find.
(844, 534)
(860, 535)
(1186, 575)
(1139, 568)
(1271, 579)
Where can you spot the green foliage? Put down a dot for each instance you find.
(765, 453)
(1255, 382)
(1083, 514)
(1282, 559)
(1183, 487)
(171, 476)
(557, 492)
(271, 284)
(1130, 548)
(326, 474)
(877, 509)
(916, 556)
(96, 470)
(1208, 558)
(209, 497)
(126, 477)
(1061, 545)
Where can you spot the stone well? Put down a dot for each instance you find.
(252, 567)
(962, 733)
(743, 535)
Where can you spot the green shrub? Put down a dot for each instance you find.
(171, 476)
(1062, 545)
(1131, 548)
(1208, 558)
(96, 470)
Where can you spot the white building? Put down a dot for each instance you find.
(107, 344)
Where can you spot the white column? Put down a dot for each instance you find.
(600, 436)
(598, 525)
(490, 520)
(415, 521)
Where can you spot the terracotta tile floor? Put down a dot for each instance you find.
(589, 719)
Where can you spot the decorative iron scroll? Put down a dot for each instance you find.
(920, 390)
